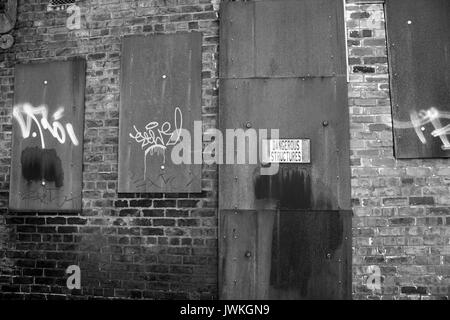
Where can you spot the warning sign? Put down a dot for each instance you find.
(286, 151)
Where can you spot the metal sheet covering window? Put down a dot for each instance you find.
(160, 96)
(419, 58)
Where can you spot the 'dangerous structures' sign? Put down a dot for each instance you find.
(286, 151)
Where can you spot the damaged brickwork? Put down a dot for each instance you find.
(161, 246)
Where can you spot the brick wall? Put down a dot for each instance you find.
(127, 245)
(401, 207)
(165, 246)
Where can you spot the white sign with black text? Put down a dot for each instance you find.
(286, 151)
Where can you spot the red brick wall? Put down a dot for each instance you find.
(165, 246)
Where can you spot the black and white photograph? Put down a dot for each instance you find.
(224, 155)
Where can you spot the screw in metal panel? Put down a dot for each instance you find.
(164, 76)
(162, 167)
(409, 22)
(248, 125)
(248, 254)
(328, 255)
(325, 123)
(45, 82)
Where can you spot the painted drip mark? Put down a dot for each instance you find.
(155, 139)
(291, 188)
(423, 117)
(42, 165)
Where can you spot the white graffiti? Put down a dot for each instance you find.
(423, 117)
(74, 21)
(155, 139)
(373, 282)
(26, 115)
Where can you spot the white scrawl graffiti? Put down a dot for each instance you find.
(26, 115)
(155, 139)
(74, 21)
(421, 118)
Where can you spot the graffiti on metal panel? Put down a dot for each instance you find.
(156, 138)
(38, 163)
(26, 115)
(423, 117)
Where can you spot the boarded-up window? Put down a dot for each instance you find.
(48, 113)
(160, 97)
(419, 52)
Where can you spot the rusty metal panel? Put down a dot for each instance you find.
(282, 39)
(245, 253)
(47, 151)
(287, 254)
(160, 97)
(419, 42)
(308, 108)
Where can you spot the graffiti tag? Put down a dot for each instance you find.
(26, 115)
(156, 138)
(423, 117)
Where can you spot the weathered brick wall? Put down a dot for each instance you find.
(401, 207)
(165, 246)
(127, 245)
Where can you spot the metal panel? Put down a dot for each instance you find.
(282, 39)
(237, 33)
(160, 95)
(48, 114)
(285, 254)
(312, 108)
(283, 67)
(419, 42)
